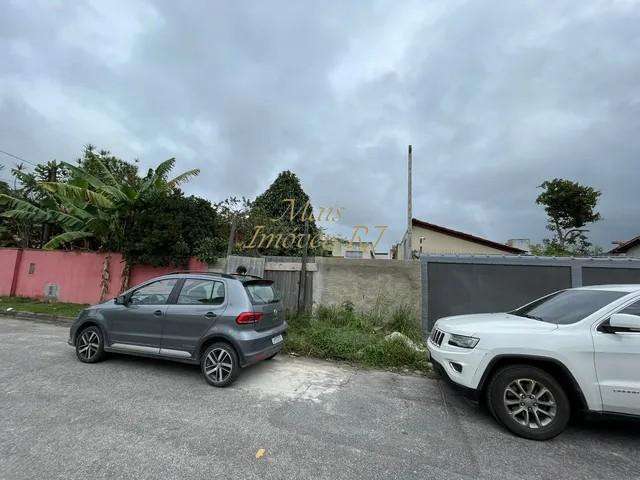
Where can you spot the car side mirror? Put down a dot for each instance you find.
(121, 300)
(624, 322)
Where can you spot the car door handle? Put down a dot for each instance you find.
(210, 315)
(158, 313)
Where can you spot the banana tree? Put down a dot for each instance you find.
(93, 207)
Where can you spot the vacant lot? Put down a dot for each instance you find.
(137, 418)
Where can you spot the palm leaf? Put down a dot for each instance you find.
(77, 212)
(66, 237)
(72, 192)
(164, 168)
(183, 177)
(106, 173)
(148, 182)
(26, 216)
(68, 222)
(22, 210)
(111, 189)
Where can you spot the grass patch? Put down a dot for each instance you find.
(23, 304)
(342, 333)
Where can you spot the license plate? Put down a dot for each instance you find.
(277, 339)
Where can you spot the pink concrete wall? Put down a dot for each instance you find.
(8, 258)
(141, 273)
(77, 274)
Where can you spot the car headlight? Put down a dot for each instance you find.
(463, 341)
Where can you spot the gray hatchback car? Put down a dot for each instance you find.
(221, 322)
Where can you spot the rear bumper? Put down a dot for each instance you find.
(260, 347)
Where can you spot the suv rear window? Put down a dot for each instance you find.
(261, 292)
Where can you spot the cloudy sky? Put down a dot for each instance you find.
(495, 96)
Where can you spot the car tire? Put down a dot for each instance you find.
(90, 345)
(219, 364)
(529, 402)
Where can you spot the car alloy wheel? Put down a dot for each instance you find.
(530, 403)
(218, 365)
(89, 345)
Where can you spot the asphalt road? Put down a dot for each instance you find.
(138, 418)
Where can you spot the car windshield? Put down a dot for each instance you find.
(567, 306)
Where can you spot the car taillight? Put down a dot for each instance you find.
(248, 317)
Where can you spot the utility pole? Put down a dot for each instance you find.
(407, 248)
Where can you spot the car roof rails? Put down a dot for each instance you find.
(199, 272)
(218, 274)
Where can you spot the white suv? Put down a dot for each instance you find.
(576, 349)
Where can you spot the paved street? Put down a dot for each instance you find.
(138, 418)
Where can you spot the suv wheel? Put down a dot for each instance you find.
(220, 365)
(90, 345)
(529, 402)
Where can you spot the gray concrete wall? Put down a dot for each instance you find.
(367, 283)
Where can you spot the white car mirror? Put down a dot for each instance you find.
(624, 320)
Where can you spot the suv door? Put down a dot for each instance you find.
(137, 326)
(199, 304)
(617, 356)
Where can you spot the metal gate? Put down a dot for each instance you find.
(456, 285)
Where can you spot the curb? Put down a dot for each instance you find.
(38, 317)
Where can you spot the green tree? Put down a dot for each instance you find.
(235, 213)
(93, 161)
(6, 237)
(93, 208)
(24, 232)
(283, 209)
(169, 229)
(569, 207)
(4, 186)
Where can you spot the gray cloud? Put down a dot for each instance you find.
(495, 97)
